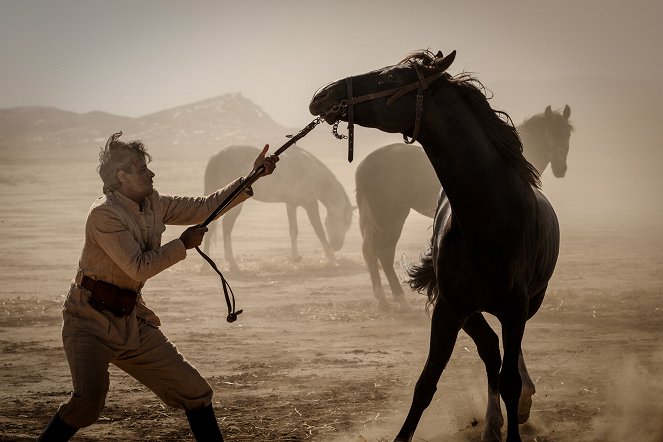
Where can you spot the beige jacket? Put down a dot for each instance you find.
(123, 247)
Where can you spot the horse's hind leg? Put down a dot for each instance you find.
(207, 239)
(371, 260)
(528, 388)
(386, 251)
(445, 326)
(488, 346)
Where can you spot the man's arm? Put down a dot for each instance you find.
(187, 210)
(109, 231)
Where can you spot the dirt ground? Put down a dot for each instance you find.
(311, 357)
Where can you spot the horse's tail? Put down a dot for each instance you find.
(422, 277)
(366, 217)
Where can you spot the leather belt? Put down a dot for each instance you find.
(109, 297)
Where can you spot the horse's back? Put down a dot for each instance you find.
(291, 183)
(396, 176)
(228, 164)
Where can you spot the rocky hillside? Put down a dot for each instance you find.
(211, 123)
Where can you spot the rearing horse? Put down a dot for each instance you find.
(495, 249)
(397, 178)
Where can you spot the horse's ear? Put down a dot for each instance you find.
(443, 64)
(548, 112)
(439, 54)
(567, 112)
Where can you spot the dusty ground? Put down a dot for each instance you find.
(312, 358)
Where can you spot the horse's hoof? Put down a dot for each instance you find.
(491, 435)
(331, 262)
(525, 404)
(383, 305)
(297, 258)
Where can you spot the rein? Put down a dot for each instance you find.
(348, 104)
(251, 178)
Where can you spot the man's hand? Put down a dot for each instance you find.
(269, 163)
(193, 236)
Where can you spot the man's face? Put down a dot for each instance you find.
(138, 184)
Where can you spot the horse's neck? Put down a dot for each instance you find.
(534, 144)
(330, 191)
(479, 186)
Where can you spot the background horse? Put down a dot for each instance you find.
(301, 180)
(497, 247)
(397, 178)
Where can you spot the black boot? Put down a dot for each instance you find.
(203, 424)
(57, 431)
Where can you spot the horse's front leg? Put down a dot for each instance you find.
(227, 224)
(445, 325)
(313, 212)
(513, 328)
(293, 228)
(488, 346)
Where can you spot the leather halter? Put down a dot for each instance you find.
(420, 86)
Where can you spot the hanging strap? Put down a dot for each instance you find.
(227, 291)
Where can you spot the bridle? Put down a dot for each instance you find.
(347, 105)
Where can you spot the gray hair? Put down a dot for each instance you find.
(118, 155)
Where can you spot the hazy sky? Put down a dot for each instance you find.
(136, 57)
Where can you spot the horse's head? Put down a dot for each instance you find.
(337, 224)
(557, 134)
(386, 98)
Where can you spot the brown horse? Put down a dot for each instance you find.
(397, 178)
(494, 251)
(300, 180)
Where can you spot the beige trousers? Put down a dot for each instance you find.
(156, 364)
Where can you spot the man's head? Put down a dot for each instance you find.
(123, 167)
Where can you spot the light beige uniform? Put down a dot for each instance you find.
(123, 247)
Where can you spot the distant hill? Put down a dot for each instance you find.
(206, 124)
(25, 127)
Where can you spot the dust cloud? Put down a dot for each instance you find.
(635, 405)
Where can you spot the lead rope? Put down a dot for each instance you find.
(351, 120)
(245, 183)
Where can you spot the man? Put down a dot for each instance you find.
(106, 319)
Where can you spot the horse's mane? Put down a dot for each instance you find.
(498, 124)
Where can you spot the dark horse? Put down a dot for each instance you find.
(397, 178)
(301, 180)
(494, 251)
